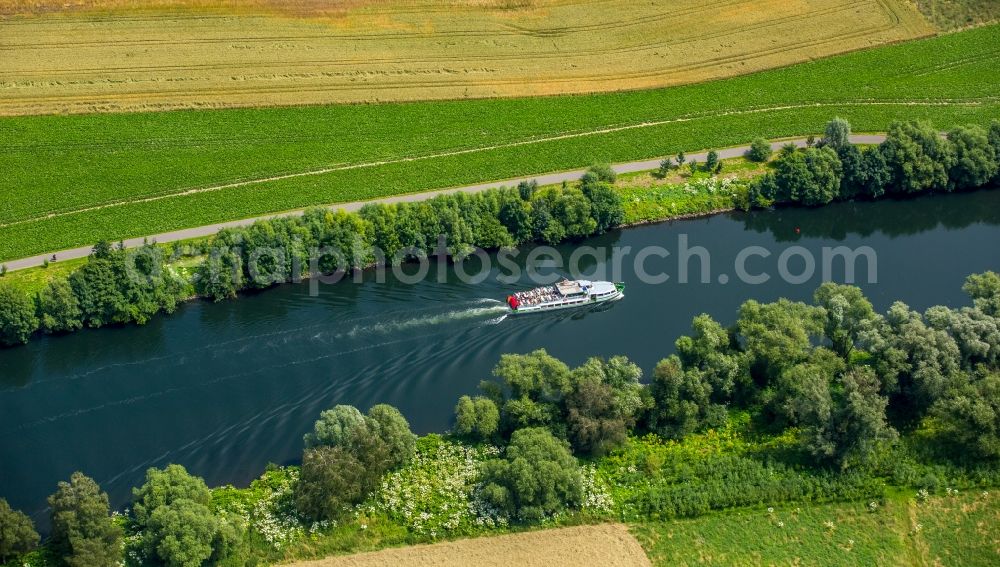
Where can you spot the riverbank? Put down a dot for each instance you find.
(245, 377)
(672, 192)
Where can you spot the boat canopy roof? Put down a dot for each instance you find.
(567, 287)
(602, 287)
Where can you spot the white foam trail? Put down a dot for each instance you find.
(497, 320)
(430, 320)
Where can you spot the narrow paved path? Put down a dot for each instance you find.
(548, 179)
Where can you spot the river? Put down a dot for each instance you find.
(226, 388)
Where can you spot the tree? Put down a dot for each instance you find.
(17, 316)
(83, 532)
(681, 158)
(984, 289)
(848, 313)
(665, 166)
(344, 426)
(514, 213)
(593, 425)
(801, 397)
(346, 241)
(976, 334)
(838, 134)
(918, 157)
(712, 160)
(852, 182)
(778, 335)
(220, 275)
(682, 401)
(331, 480)
(537, 477)
(476, 418)
(841, 419)
(788, 149)
(527, 189)
(17, 532)
(603, 403)
(96, 288)
(602, 173)
(179, 528)
(623, 376)
(709, 351)
(812, 177)
(58, 308)
(393, 429)
(181, 533)
(693, 166)
(968, 417)
(915, 362)
(763, 190)
(859, 420)
(606, 206)
(537, 383)
(760, 150)
(994, 137)
(975, 162)
(334, 427)
(102, 250)
(875, 173)
(118, 287)
(559, 214)
(372, 451)
(166, 486)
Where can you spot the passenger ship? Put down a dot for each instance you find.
(564, 295)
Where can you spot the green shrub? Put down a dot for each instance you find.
(17, 532)
(537, 477)
(760, 150)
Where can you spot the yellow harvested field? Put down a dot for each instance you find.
(607, 545)
(113, 55)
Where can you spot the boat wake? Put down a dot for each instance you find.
(470, 313)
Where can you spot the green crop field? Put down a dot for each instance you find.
(71, 180)
(952, 530)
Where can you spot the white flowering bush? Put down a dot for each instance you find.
(596, 493)
(696, 196)
(437, 493)
(712, 186)
(268, 508)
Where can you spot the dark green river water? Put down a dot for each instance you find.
(226, 388)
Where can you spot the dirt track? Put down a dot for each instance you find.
(607, 545)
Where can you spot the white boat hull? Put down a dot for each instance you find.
(562, 303)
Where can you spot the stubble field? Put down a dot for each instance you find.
(608, 545)
(112, 55)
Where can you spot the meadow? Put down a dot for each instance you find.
(74, 179)
(960, 529)
(198, 54)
